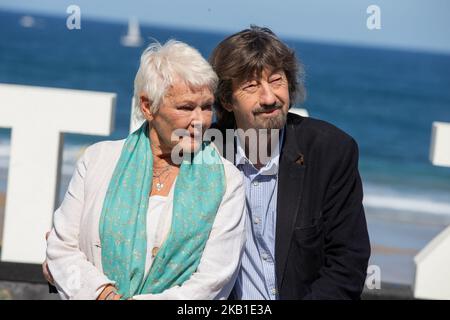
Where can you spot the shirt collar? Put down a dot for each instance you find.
(271, 168)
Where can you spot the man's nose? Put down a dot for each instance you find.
(267, 96)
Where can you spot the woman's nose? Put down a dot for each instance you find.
(197, 117)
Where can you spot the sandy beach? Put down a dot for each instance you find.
(395, 242)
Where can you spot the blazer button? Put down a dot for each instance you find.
(154, 251)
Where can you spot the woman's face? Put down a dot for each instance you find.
(185, 108)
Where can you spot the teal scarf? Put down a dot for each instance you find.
(199, 189)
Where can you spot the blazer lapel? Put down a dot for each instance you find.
(290, 188)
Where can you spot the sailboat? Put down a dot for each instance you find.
(133, 37)
(27, 21)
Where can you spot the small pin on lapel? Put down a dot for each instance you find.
(300, 160)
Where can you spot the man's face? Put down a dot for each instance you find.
(261, 103)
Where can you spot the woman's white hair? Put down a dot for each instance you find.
(161, 65)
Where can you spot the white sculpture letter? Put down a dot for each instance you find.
(38, 117)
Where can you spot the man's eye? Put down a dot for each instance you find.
(276, 80)
(207, 107)
(250, 86)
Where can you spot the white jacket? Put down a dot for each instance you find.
(74, 248)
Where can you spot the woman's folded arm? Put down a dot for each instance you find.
(75, 277)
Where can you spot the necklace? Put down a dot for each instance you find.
(160, 183)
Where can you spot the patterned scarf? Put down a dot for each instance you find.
(199, 189)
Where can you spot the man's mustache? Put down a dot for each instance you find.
(267, 108)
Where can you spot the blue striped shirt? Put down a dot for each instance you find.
(256, 278)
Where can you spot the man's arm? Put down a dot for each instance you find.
(346, 246)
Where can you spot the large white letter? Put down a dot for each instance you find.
(440, 144)
(38, 117)
(432, 278)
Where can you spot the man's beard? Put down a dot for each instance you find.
(274, 122)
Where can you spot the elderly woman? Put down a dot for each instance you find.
(134, 223)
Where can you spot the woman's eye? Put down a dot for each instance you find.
(207, 107)
(187, 108)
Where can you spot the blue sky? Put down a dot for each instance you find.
(410, 24)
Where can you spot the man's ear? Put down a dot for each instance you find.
(145, 105)
(226, 105)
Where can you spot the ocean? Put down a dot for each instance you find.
(386, 99)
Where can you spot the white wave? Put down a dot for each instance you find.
(4, 154)
(4, 149)
(406, 198)
(407, 204)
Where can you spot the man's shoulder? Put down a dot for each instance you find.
(320, 142)
(311, 131)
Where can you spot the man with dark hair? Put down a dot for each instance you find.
(306, 229)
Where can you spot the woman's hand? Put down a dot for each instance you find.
(45, 270)
(109, 293)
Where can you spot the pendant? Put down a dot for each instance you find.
(159, 186)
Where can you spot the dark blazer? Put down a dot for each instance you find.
(322, 245)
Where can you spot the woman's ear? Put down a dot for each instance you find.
(145, 106)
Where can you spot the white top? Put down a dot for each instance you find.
(74, 248)
(155, 215)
